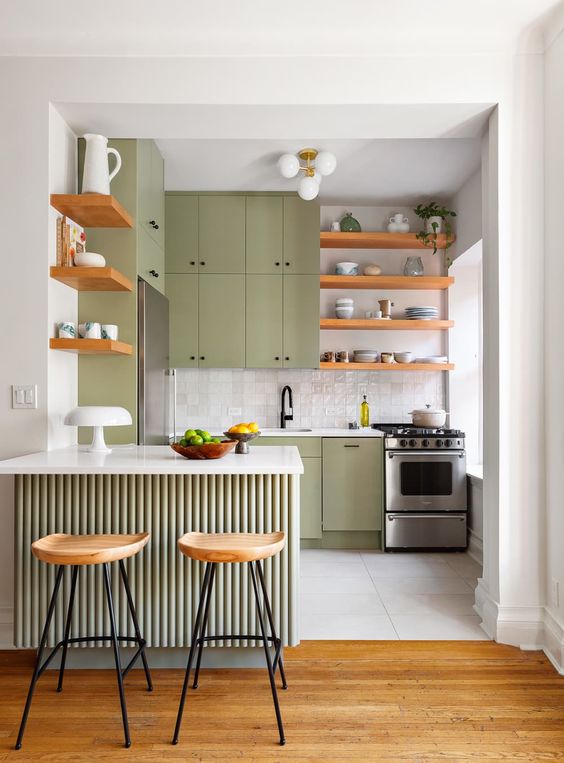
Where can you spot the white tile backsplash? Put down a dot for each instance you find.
(205, 395)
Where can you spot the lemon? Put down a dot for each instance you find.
(253, 427)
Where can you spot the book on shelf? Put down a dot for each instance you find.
(71, 240)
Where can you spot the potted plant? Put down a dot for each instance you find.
(434, 216)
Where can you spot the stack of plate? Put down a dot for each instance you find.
(433, 359)
(366, 356)
(423, 313)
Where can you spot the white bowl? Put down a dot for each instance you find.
(346, 268)
(403, 357)
(344, 312)
(344, 301)
(89, 260)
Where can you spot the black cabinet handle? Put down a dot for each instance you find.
(352, 446)
(202, 357)
(287, 264)
(192, 262)
(154, 273)
(192, 357)
(202, 263)
(277, 264)
(154, 224)
(277, 357)
(287, 358)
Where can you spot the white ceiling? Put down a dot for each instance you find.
(263, 27)
(368, 171)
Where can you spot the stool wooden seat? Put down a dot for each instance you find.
(231, 547)
(71, 552)
(87, 549)
(226, 548)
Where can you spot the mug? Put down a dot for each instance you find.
(90, 330)
(369, 314)
(109, 331)
(387, 357)
(377, 314)
(342, 356)
(328, 357)
(66, 330)
(336, 226)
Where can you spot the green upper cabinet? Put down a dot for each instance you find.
(150, 189)
(301, 236)
(221, 232)
(301, 321)
(353, 487)
(181, 215)
(150, 261)
(264, 309)
(221, 321)
(264, 234)
(182, 293)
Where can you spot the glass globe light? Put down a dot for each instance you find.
(317, 176)
(308, 188)
(289, 165)
(325, 162)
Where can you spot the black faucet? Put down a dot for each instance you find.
(284, 417)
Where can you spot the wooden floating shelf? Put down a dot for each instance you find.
(386, 282)
(92, 210)
(91, 346)
(353, 324)
(92, 279)
(376, 240)
(386, 366)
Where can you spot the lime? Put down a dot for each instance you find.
(206, 436)
(216, 440)
(196, 440)
(183, 442)
(190, 433)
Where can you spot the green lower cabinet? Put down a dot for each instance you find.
(352, 484)
(264, 321)
(221, 321)
(182, 293)
(301, 321)
(310, 481)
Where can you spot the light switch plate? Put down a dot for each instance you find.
(24, 395)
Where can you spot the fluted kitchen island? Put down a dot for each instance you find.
(151, 488)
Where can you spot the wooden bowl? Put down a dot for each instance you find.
(205, 451)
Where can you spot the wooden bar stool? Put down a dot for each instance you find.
(76, 551)
(227, 548)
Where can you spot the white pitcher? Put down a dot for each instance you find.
(96, 176)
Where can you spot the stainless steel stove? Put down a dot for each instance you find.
(426, 501)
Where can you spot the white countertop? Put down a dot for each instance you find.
(153, 459)
(328, 432)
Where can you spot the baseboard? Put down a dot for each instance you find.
(554, 640)
(475, 548)
(6, 628)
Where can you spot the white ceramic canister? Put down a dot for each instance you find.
(96, 177)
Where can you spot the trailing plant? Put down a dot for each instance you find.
(429, 238)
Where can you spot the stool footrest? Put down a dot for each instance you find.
(141, 643)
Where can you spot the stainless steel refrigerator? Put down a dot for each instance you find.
(153, 359)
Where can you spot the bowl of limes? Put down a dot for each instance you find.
(242, 433)
(198, 444)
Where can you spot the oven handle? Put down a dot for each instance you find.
(391, 517)
(420, 453)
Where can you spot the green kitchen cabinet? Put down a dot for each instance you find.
(221, 234)
(264, 234)
(181, 215)
(301, 321)
(221, 321)
(353, 492)
(310, 481)
(151, 261)
(264, 306)
(301, 236)
(182, 293)
(151, 212)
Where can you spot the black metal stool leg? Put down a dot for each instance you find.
(133, 613)
(277, 662)
(203, 628)
(67, 628)
(267, 655)
(115, 645)
(207, 574)
(39, 656)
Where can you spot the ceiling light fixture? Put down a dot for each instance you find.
(317, 165)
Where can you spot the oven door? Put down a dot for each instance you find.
(425, 481)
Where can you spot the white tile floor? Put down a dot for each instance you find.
(373, 595)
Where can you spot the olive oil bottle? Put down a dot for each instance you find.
(364, 413)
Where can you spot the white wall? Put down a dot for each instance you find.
(554, 358)
(467, 203)
(512, 502)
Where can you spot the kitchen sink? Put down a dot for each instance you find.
(289, 430)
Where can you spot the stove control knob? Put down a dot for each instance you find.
(448, 443)
(412, 443)
(439, 443)
(403, 443)
(425, 443)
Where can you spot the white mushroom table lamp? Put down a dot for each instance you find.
(98, 417)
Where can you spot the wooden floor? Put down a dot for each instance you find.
(370, 701)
